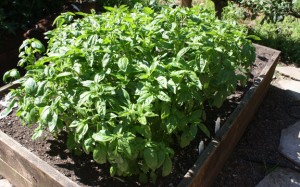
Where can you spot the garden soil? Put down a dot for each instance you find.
(240, 170)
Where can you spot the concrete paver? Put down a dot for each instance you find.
(290, 143)
(281, 177)
(289, 71)
(290, 137)
(292, 86)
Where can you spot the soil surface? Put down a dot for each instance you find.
(84, 171)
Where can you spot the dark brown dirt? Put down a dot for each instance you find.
(86, 172)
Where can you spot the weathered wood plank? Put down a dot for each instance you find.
(211, 161)
(32, 169)
(13, 175)
(4, 89)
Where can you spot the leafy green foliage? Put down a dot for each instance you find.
(127, 85)
(284, 36)
(296, 5)
(130, 3)
(273, 10)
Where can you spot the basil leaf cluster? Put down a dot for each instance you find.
(130, 85)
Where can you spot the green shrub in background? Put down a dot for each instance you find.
(296, 5)
(284, 36)
(128, 86)
(273, 10)
(234, 12)
(129, 3)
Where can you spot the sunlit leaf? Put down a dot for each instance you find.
(123, 63)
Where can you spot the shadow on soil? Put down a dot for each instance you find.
(85, 169)
(257, 152)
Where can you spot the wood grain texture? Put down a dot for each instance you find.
(23, 168)
(13, 175)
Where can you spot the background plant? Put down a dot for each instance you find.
(284, 36)
(273, 10)
(296, 5)
(19, 15)
(128, 86)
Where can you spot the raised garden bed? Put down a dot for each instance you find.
(23, 168)
(211, 161)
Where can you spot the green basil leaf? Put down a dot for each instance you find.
(64, 74)
(204, 129)
(87, 83)
(126, 95)
(36, 44)
(52, 124)
(151, 159)
(161, 155)
(88, 145)
(101, 108)
(162, 81)
(81, 130)
(102, 136)
(165, 110)
(123, 63)
(8, 110)
(30, 85)
(185, 139)
(45, 114)
(98, 78)
(123, 166)
(84, 97)
(144, 131)
(167, 167)
(126, 146)
(182, 52)
(254, 37)
(99, 154)
(14, 73)
(37, 133)
(142, 120)
(41, 87)
(163, 96)
(74, 123)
